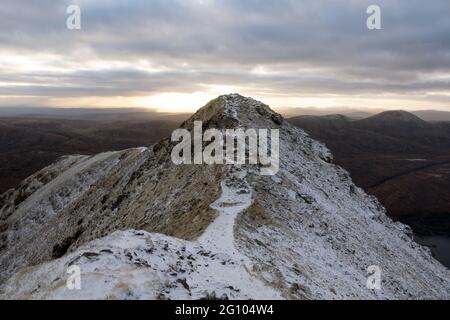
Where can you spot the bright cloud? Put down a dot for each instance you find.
(177, 54)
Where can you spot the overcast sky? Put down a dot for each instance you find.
(176, 55)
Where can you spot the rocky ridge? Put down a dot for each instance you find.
(216, 231)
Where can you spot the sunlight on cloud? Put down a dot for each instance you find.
(176, 101)
(184, 101)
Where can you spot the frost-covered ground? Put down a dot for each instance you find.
(140, 265)
(306, 233)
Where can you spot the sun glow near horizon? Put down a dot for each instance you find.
(185, 101)
(179, 102)
(176, 102)
(188, 102)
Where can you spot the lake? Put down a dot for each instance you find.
(439, 245)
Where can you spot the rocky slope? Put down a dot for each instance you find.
(216, 231)
(397, 157)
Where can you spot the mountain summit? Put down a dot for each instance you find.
(397, 118)
(140, 227)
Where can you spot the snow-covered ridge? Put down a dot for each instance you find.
(210, 231)
(141, 265)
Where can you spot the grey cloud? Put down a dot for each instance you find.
(219, 42)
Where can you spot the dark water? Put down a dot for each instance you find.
(439, 245)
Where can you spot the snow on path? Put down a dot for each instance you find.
(219, 235)
(140, 265)
(219, 238)
(149, 265)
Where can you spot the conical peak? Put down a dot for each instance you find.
(396, 116)
(235, 110)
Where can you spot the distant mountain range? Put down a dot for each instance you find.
(145, 113)
(356, 114)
